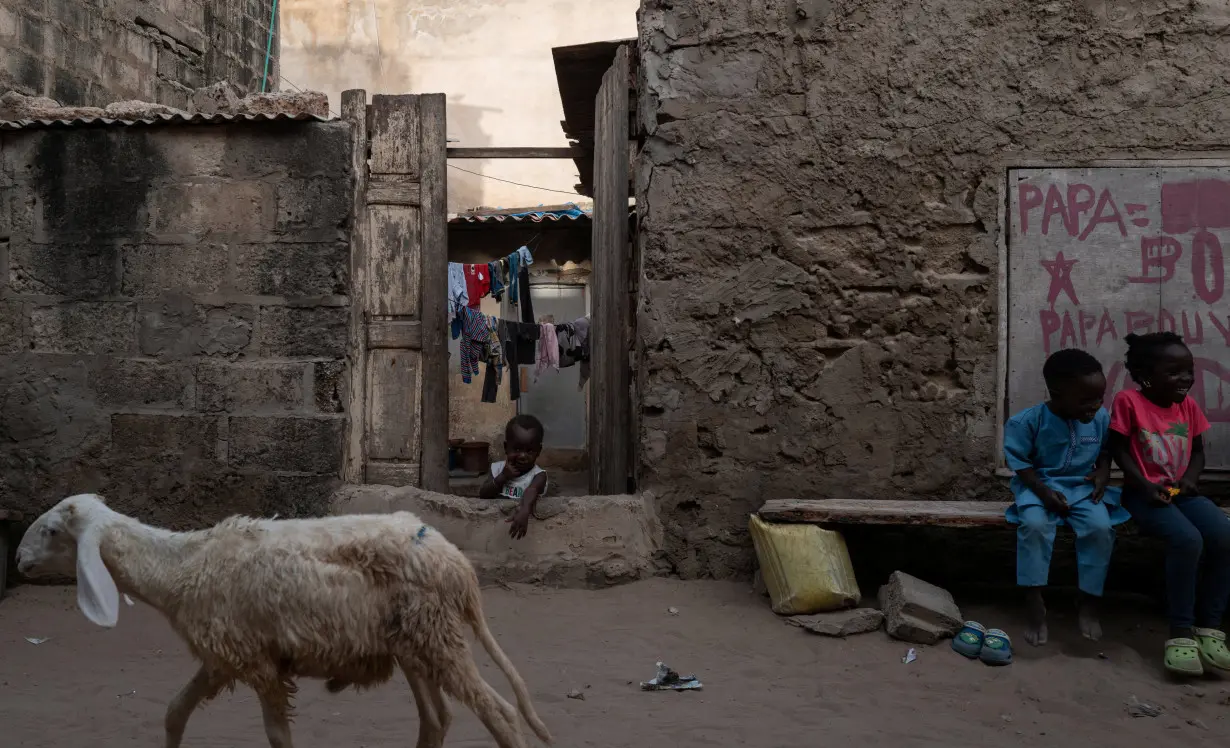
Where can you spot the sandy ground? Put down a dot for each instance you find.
(765, 683)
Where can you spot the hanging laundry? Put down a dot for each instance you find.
(514, 276)
(478, 284)
(563, 334)
(527, 307)
(548, 350)
(525, 259)
(475, 338)
(580, 341)
(509, 342)
(497, 286)
(495, 361)
(458, 297)
(527, 336)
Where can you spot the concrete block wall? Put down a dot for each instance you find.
(173, 317)
(94, 52)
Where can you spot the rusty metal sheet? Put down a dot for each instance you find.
(1097, 253)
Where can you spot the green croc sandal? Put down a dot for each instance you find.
(1213, 652)
(996, 648)
(1183, 657)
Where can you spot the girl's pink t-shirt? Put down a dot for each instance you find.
(1160, 438)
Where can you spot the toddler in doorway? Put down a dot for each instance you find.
(518, 476)
(1156, 437)
(1057, 450)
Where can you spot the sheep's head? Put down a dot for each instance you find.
(65, 540)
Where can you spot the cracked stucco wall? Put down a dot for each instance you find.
(94, 52)
(819, 192)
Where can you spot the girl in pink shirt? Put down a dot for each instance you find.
(1156, 437)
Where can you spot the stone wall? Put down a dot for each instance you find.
(173, 317)
(820, 188)
(91, 52)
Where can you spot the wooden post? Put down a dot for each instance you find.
(434, 295)
(354, 111)
(609, 401)
(406, 271)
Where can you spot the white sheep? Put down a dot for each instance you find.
(262, 602)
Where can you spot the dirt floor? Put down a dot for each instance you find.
(765, 683)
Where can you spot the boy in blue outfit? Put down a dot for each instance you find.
(1058, 451)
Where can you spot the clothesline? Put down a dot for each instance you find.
(501, 342)
(508, 342)
(469, 283)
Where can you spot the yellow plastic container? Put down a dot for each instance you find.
(806, 568)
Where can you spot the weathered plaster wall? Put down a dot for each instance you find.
(173, 317)
(492, 58)
(93, 52)
(820, 194)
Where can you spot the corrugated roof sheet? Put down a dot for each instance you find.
(160, 119)
(526, 215)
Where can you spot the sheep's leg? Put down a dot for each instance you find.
(433, 713)
(203, 685)
(460, 678)
(275, 710)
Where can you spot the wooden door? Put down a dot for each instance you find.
(398, 400)
(610, 398)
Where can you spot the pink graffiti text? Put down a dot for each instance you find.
(1091, 329)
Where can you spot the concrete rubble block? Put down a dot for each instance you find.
(83, 327)
(151, 270)
(916, 611)
(188, 212)
(121, 382)
(190, 440)
(290, 444)
(64, 269)
(312, 103)
(574, 541)
(329, 386)
(177, 327)
(221, 97)
(841, 623)
(292, 270)
(250, 387)
(300, 150)
(140, 110)
(318, 207)
(16, 107)
(12, 317)
(319, 331)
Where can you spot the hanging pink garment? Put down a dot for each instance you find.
(548, 349)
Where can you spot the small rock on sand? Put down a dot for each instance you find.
(840, 623)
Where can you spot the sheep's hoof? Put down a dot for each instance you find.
(336, 685)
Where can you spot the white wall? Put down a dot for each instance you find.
(491, 57)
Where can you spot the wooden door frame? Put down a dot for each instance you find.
(611, 335)
(397, 403)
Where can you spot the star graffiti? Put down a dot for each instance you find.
(1060, 269)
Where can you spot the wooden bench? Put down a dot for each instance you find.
(7, 520)
(888, 512)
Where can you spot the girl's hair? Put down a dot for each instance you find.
(1143, 348)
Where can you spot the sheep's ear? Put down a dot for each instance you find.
(97, 595)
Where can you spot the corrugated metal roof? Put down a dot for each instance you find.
(161, 119)
(570, 213)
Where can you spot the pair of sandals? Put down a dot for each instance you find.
(976, 642)
(1194, 657)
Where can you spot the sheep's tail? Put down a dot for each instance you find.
(479, 622)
